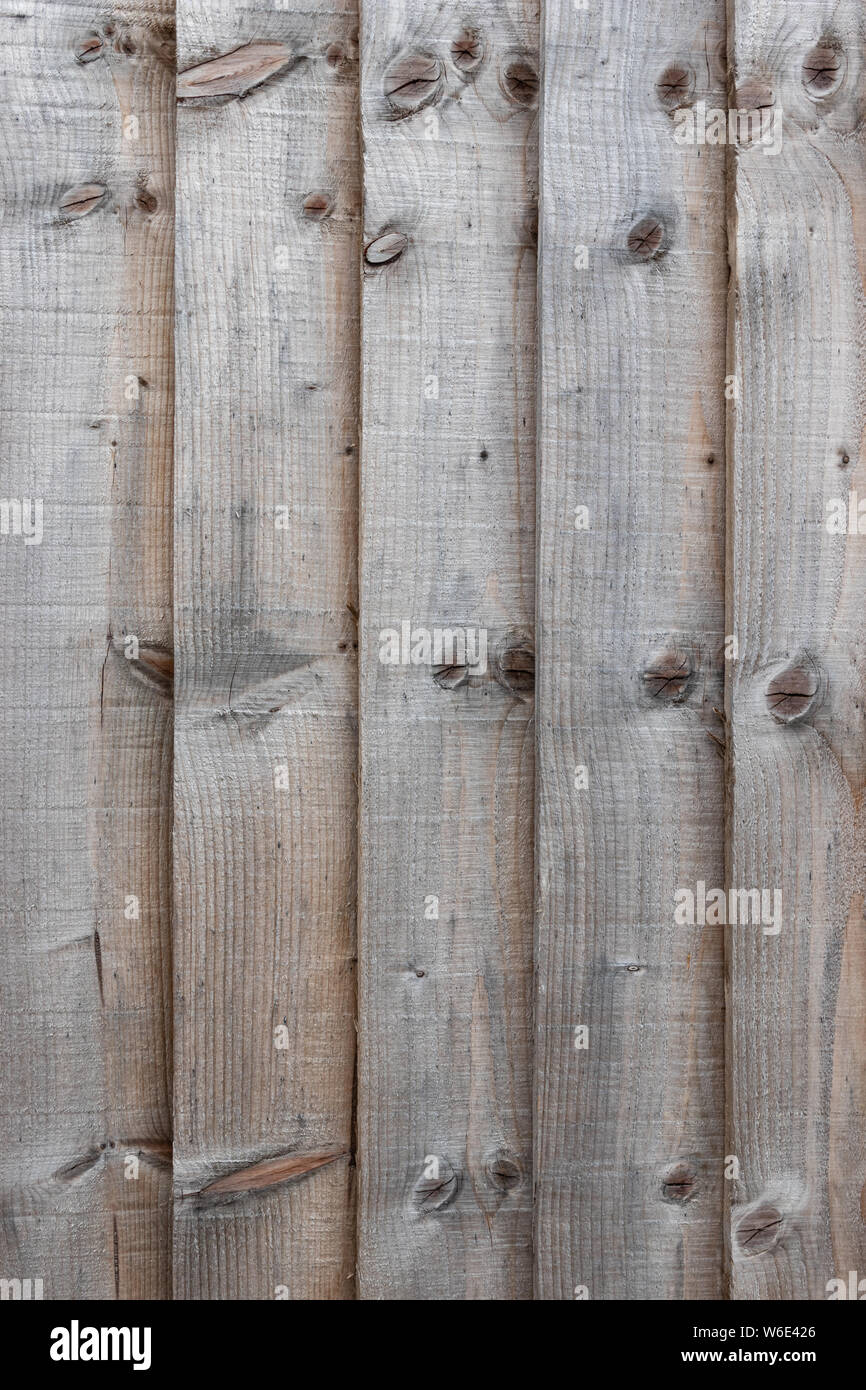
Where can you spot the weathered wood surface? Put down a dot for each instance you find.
(447, 527)
(603, 1175)
(85, 673)
(265, 741)
(629, 1129)
(797, 999)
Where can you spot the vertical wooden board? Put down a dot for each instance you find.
(629, 1112)
(796, 590)
(265, 739)
(86, 270)
(448, 109)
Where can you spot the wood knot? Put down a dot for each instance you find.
(338, 57)
(162, 43)
(679, 1182)
(676, 87)
(78, 202)
(515, 664)
(645, 238)
(467, 51)
(503, 1171)
(413, 81)
(318, 206)
(144, 200)
(791, 693)
(450, 677)
(755, 99)
(759, 1230)
(437, 1186)
(236, 73)
(385, 248)
(88, 48)
(124, 43)
(823, 71)
(520, 82)
(667, 675)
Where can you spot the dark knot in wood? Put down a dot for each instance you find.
(413, 81)
(823, 71)
(645, 238)
(520, 82)
(679, 1182)
(759, 1230)
(437, 1186)
(467, 52)
(676, 86)
(667, 675)
(515, 664)
(791, 694)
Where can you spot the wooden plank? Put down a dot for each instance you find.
(265, 743)
(85, 673)
(445, 890)
(796, 595)
(630, 611)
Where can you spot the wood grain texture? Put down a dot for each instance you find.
(265, 589)
(797, 999)
(86, 272)
(632, 282)
(447, 517)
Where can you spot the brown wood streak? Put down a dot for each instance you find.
(235, 73)
(284, 1168)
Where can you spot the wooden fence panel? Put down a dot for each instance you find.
(796, 605)
(265, 746)
(85, 673)
(629, 1015)
(447, 529)
(657, 1090)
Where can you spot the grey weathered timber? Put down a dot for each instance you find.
(629, 1007)
(265, 735)
(796, 605)
(85, 671)
(447, 529)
